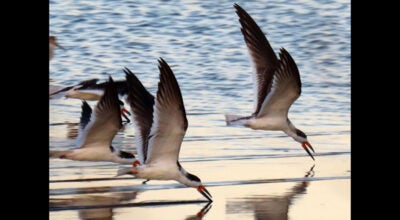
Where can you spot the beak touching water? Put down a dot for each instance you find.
(307, 145)
(204, 192)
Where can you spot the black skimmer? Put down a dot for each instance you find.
(52, 46)
(160, 124)
(97, 130)
(91, 90)
(277, 83)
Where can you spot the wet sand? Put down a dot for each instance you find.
(250, 174)
(258, 188)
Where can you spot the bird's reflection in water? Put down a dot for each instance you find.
(201, 213)
(270, 207)
(94, 206)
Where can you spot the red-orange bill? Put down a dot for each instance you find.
(307, 145)
(204, 192)
(136, 163)
(123, 110)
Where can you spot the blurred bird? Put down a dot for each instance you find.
(277, 84)
(52, 45)
(91, 90)
(161, 124)
(97, 130)
(200, 215)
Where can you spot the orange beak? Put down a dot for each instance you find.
(136, 163)
(204, 210)
(307, 145)
(123, 112)
(204, 192)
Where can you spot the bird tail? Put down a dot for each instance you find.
(58, 153)
(232, 120)
(126, 170)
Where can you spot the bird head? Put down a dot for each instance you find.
(53, 40)
(302, 138)
(193, 181)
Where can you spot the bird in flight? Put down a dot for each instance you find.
(91, 90)
(277, 85)
(97, 130)
(161, 124)
(52, 46)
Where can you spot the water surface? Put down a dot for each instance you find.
(251, 174)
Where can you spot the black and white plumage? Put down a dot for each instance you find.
(161, 124)
(91, 90)
(97, 129)
(277, 84)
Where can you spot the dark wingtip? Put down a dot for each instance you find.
(110, 79)
(161, 62)
(126, 155)
(85, 105)
(127, 71)
(237, 6)
(239, 9)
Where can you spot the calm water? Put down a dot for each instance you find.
(251, 174)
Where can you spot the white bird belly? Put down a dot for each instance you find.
(266, 123)
(90, 154)
(159, 172)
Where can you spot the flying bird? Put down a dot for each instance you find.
(97, 130)
(277, 85)
(91, 90)
(52, 46)
(161, 124)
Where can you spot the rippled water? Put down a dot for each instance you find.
(248, 172)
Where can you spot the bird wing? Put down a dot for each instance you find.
(141, 102)
(85, 119)
(106, 120)
(79, 85)
(285, 89)
(121, 86)
(264, 58)
(170, 122)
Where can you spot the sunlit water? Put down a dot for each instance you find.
(251, 174)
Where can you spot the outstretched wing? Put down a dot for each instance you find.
(285, 89)
(85, 119)
(170, 122)
(141, 102)
(105, 121)
(262, 55)
(79, 85)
